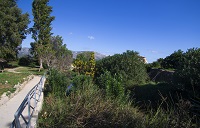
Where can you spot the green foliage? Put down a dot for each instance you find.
(88, 107)
(80, 81)
(128, 65)
(13, 28)
(155, 64)
(173, 61)
(57, 83)
(188, 73)
(113, 85)
(25, 61)
(63, 57)
(41, 31)
(42, 21)
(85, 64)
(84, 56)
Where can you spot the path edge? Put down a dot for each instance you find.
(4, 98)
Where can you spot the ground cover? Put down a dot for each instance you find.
(13, 76)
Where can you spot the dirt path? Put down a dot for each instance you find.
(13, 70)
(8, 109)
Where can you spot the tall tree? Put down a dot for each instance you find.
(13, 28)
(41, 31)
(56, 55)
(173, 61)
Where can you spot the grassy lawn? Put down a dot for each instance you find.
(9, 79)
(29, 70)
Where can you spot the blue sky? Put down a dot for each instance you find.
(154, 28)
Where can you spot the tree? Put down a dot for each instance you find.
(173, 61)
(61, 57)
(41, 31)
(188, 73)
(13, 28)
(85, 63)
(129, 66)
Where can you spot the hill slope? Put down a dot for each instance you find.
(26, 51)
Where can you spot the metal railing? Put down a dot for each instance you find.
(29, 104)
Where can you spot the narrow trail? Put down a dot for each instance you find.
(8, 109)
(13, 70)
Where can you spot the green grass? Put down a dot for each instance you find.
(30, 70)
(152, 93)
(8, 80)
(13, 64)
(15, 78)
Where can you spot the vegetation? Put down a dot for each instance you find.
(88, 106)
(13, 29)
(60, 57)
(173, 61)
(113, 92)
(41, 31)
(9, 79)
(188, 73)
(186, 67)
(129, 66)
(85, 64)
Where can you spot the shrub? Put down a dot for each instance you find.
(128, 65)
(24, 61)
(188, 73)
(57, 83)
(113, 85)
(80, 81)
(88, 107)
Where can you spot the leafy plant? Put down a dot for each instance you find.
(128, 65)
(57, 83)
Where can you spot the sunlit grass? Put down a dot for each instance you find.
(30, 70)
(9, 79)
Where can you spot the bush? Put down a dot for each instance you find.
(80, 81)
(128, 65)
(25, 61)
(57, 83)
(88, 107)
(188, 73)
(113, 85)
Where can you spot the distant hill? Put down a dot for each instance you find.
(26, 51)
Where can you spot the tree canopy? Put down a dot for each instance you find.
(13, 28)
(85, 63)
(129, 66)
(41, 31)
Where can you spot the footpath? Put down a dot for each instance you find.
(8, 109)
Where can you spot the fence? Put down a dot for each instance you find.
(28, 105)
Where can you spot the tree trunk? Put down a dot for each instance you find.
(41, 66)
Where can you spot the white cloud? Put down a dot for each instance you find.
(70, 33)
(154, 51)
(91, 37)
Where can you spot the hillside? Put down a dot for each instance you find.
(26, 51)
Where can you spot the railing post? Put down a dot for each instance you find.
(17, 123)
(35, 97)
(29, 113)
